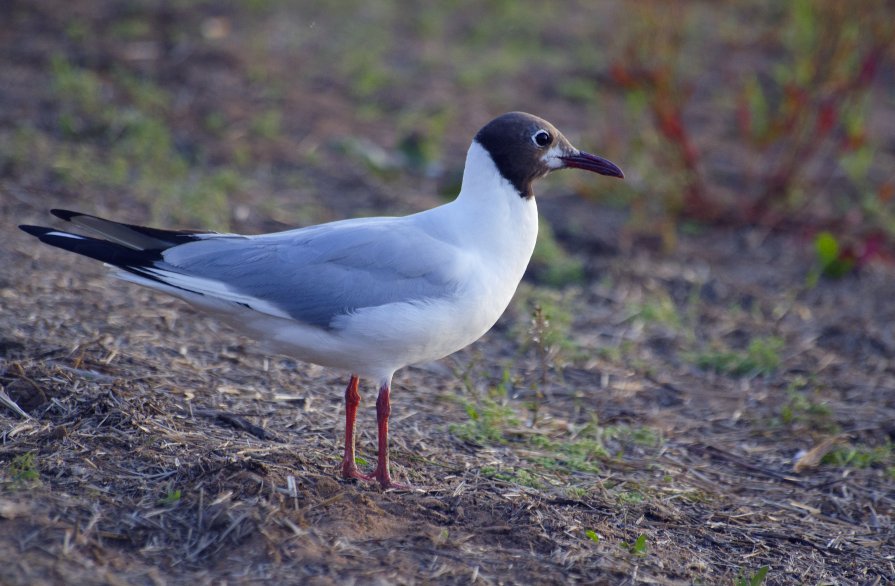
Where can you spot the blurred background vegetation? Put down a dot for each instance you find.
(262, 114)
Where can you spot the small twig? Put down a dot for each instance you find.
(4, 398)
(234, 421)
(91, 375)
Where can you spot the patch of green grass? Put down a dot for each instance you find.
(562, 454)
(627, 435)
(660, 309)
(208, 196)
(803, 410)
(519, 476)
(762, 357)
(576, 492)
(630, 497)
(78, 165)
(267, 124)
(862, 456)
(172, 497)
(80, 94)
(592, 535)
(23, 469)
(580, 455)
(642, 436)
(119, 138)
(617, 353)
(585, 451)
(489, 419)
(144, 95)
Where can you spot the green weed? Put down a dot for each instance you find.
(172, 497)
(801, 409)
(23, 470)
(489, 417)
(547, 335)
(576, 492)
(831, 261)
(862, 456)
(630, 497)
(761, 357)
(581, 455)
(642, 436)
(755, 579)
(494, 420)
(638, 547)
(553, 452)
(548, 331)
(519, 476)
(660, 309)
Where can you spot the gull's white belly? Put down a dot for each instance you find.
(376, 341)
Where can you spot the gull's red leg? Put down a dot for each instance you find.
(383, 410)
(352, 400)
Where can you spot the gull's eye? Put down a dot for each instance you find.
(541, 138)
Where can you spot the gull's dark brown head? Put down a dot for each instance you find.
(525, 148)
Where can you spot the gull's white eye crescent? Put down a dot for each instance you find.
(541, 138)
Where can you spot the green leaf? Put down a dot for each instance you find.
(759, 576)
(827, 248)
(639, 545)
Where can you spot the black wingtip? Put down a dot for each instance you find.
(65, 214)
(35, 230)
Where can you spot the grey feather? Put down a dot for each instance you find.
(316, 274)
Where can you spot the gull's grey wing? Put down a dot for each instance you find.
(316, 274)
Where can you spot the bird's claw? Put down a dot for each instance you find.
(350, 470)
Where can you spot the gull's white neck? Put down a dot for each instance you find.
(490, 216)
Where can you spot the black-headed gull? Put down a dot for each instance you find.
(368, 295)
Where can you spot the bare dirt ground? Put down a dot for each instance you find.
(705, 414)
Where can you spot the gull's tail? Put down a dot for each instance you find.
(134, 249)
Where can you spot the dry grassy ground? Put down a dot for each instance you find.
(690, 417)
